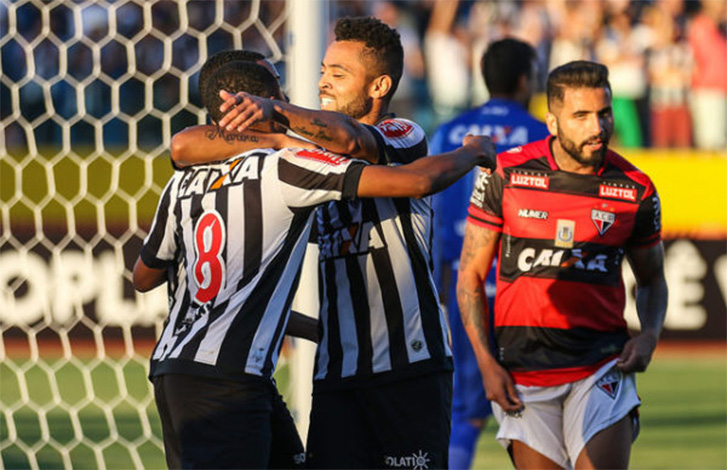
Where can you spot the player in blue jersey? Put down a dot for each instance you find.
(509, 69)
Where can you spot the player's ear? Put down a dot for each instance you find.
(552, 122)
(381, 86)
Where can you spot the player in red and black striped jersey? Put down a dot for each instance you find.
(560, 215)
(230, 239)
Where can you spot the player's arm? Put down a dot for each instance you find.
(146, 278)
(302, 326)
(478, 252)
(651, 301)
(428, 175)
(207, 143)
(333, 131)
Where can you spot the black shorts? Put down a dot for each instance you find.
(404, 424)
(209, 423)
(286, 450)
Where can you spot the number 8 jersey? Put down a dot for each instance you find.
(232, 237)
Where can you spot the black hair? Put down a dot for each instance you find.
(238, 76)
(382, 43)
(214, 62)
(576, 74)
(504, 62)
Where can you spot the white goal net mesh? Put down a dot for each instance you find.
(90, 94)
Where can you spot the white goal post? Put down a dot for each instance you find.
(91, 92)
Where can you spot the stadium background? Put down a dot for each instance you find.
(90, 94)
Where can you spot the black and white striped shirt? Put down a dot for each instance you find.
(379, 308)
(233, 236)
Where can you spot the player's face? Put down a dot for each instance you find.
(584, 124)
(345, 81)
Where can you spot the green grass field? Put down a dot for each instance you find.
(684, 417)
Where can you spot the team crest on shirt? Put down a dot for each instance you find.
(610, 383)
(603, 220)
(395, 128)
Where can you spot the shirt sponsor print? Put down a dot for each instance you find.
(626, 193)
(395, 128)
(529, 181)
(415, 461)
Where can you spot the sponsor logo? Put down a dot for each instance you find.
(321, 156)
(395, 128)
(565, 233)
(509, 136)
(517, 149)
(529, 259)
(417, 461)
(603, 220)
(532, 214)
(529, 181)
(610, 383)
(617, 192)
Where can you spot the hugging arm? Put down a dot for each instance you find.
(333, 131)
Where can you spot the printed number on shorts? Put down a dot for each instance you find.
(209, 267)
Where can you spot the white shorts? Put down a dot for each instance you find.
(559, 421)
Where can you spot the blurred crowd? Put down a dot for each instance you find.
(667, 59)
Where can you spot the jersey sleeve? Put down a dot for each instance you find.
(647, 227)
(160, 245)
(312, 177)
(400, 141)
(485, 208)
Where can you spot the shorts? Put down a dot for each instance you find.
(558, 421)
(404, 424)
(286, 448)
(210, 423)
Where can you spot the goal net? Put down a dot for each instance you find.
(90, 94)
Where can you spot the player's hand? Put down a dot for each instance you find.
(500, 388)
(637, 353)
(484, 146)
(243, 110)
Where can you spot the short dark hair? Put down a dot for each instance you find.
(213, 63)
(382, 43)
(238, 76)
(504, 62)
(576, 74)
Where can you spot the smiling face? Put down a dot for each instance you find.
(583, 124)
(345, 84)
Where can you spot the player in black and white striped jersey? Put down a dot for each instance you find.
(383, 365)
(230, 236)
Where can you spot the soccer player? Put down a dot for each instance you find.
(509, 69)
(383, 364)
(560, 214)
(229, 237)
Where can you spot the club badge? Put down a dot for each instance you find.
(602, 220)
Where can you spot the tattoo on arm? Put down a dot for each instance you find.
(229, 137)
(320, 135)
(472, 299)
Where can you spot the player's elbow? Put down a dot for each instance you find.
(177, 150)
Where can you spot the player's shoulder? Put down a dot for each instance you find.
(313, 156)
(401, 130)
(522, 154)
(628, 169)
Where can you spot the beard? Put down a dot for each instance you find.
(578, 152)
(355, 108)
